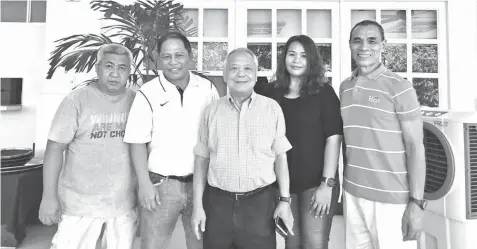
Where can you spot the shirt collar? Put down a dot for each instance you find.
(250, 100)
(372, 75)
(192, 80)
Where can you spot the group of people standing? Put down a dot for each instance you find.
(230, 166)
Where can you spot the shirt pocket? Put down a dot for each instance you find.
(262, 135)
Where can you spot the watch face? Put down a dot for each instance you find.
(330, 182)
(424, 204)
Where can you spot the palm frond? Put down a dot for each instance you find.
(76, 52)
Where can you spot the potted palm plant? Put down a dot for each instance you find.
(137, 26)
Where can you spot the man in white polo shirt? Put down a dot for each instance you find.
(162, 132)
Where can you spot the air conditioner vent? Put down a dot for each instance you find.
(439, 163)
(471, 169)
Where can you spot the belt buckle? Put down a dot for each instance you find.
(237, 195)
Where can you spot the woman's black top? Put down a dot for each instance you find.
(309, 121)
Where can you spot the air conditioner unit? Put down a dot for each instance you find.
(450, 141)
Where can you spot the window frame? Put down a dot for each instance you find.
(274, 40)
(200, 38)
(440, 41)
(28, 10)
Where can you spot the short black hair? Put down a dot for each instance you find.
(368, 23)
(174, 35)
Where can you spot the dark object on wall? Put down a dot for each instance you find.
(11, 93)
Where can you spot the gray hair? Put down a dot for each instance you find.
(244, 50)
(113, 48)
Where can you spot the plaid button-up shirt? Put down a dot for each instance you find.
(242, 143)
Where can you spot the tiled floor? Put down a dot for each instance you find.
(39, 237)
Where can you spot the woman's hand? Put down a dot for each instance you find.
(321, 201)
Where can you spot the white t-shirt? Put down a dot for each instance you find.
(97, 178)
(169, 124)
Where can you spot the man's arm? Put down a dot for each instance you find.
(201, 169)
(138, 133)
(138, 152)
(283, 177)
(52, 166)
(412, 132)
(62, 132)
(50, 207)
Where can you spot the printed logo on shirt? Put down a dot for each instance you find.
(374, 99)
(109, 125)
(164, 103)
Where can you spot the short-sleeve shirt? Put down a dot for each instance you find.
(372, 108)
(242, 143)
(97, 178)
(309, 120)
(168, 122)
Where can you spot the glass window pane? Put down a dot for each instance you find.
(424, 58)
(361, 15)
(427, 91)
(424, 24)
(394, 57)
(38, 11)
(194, 47)
(319, 23)
(394, 23)
(259, 23)
(214, 54)
(190, 22)
(216, 23)
(264, 55)
(288, 23)
(325, 51)
(13, 11)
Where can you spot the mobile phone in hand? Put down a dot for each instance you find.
(280, 227)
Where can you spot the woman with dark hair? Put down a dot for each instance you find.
(314, 128)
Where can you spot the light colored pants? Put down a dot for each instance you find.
(76, 232)
(373, 225)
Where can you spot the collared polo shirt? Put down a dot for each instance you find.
(372, 109)
(169, 124)
(242, 143)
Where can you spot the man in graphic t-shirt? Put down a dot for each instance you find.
(94, 193)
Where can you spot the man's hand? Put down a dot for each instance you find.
(198, 221)
(320, 201)
(283, 211)
(412, 224)
(50, 211)
(148, 196)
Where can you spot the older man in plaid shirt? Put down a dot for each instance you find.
(241, 151)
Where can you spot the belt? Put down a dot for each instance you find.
(186, 178)
(240, 195)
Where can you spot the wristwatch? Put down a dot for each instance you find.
(421, 203)
(285, 199)
(330, 182)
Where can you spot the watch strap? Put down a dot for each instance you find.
(420, 203)
(285, 199)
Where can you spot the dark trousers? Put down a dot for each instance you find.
(242, 223)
